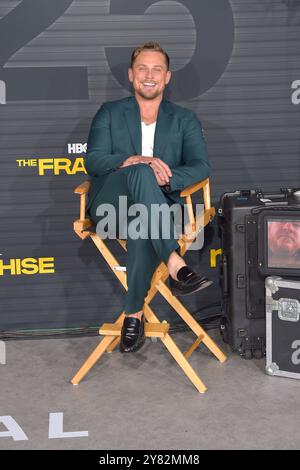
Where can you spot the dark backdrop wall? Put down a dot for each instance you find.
(236, 64)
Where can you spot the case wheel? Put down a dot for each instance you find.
(258, 354)
(248, 354)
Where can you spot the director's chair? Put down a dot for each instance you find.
(84, 228)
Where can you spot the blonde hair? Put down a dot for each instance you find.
(149, 46)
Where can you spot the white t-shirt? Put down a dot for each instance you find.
(148, 133)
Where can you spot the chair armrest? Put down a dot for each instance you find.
(209, 211)
(193, 188)
(83, 188)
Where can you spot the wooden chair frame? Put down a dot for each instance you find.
(153, 327)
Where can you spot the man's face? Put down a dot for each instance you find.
(149, 74)
(284, 237)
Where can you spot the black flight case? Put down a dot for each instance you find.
(243, 323)
(283, 327)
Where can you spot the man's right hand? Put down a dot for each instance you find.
(161, 169)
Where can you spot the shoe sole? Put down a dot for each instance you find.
(133, 350)
(178, 293)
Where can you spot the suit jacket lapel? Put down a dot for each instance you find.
(133, 120)
(163, 129)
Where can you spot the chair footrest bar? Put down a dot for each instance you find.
(153, 330)
(193, 347)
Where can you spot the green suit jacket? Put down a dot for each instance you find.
(116, 134)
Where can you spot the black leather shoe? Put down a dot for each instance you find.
(190, 283)
(132, 334)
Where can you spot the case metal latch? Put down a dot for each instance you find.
(288, 309)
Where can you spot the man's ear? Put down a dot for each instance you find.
(130, 75)
(168, 76)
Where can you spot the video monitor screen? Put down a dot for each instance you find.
(283, 236)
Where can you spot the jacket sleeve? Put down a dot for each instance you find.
(99, 158)
(195, 166)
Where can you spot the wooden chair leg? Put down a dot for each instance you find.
(183, 363)
(102, 347)
(92, 359)
(190, 321)
(194, 346)
(176, 353)
(113, 345)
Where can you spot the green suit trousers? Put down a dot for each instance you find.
(139, 185)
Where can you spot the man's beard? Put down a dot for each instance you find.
(148, 97)
(284, 246)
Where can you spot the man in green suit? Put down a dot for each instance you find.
(147, 149)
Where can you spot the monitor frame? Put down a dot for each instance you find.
(262, 239)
